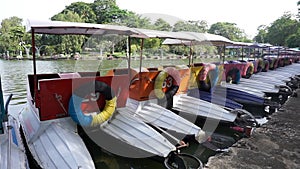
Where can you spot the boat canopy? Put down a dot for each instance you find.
(76, 28)
(200, 38)
(237, 45)
(171, 38)
(148, 33)
(249, 45)
(217, 40)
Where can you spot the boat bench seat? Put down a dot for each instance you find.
(54, 94)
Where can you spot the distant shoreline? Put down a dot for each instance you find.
(172, 57)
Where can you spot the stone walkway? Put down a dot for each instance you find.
(273, 145)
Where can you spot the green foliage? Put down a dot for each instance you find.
(107, 11)
(133, 20)
(281, 29)
(12, 32)
(165, 48)
(153, 43)
(261, 37)
(162, 25)
(228, 30)
(67, 15)
(293, 40)
(50, 50)
(298, 14)
(134, 48)
(284, 31)
(84, 10)
(68, 43)
(191, 26)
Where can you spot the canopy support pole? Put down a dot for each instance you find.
(34, 65)
(141, 55)
(129, 56)
(191, 53)
(242, 53)
(224, 50)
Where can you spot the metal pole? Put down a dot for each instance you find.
(242, 53)
(9, 145)
(190, 54)
(129, 57)
(224, 50)
(34, 65)
(9, 127)
(193, 56)
(141, 56)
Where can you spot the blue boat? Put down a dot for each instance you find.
(221, 101)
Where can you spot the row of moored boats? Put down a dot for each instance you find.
(150, 112)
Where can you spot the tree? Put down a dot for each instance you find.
(192, 26)
(68, 43)
(228, 30)
(133, 20)
(200, 25)
(162, 25)
(282, 28)
(293, 40)
(12, 33)
(298, 4)
(84, 10)
(107, 11)
(261, 37)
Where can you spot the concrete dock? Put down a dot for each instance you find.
(275, 144)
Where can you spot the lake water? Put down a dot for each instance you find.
(14, 80)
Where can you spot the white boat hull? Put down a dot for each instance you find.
(156, 115)
(267, 79)
(12, 151)
(261, 86)
(128, 131)
(54, 143)
(194, 106)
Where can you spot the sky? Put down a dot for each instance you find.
(248, 15)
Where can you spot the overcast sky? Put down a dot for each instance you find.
(248, 15)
